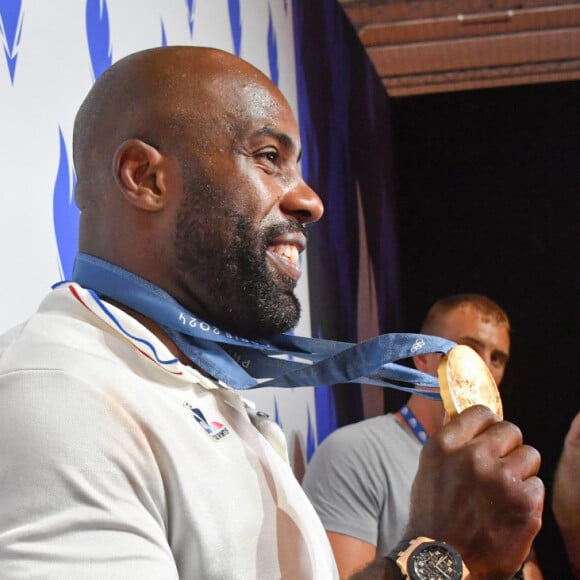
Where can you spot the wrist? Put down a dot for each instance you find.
(392, 570)
(423, 558)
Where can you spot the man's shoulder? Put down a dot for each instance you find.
(354, 434)
(57, 327)
(379, 423)
(356, 452)
(10, 336)
(74, 332)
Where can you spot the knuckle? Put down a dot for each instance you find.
(510, 431)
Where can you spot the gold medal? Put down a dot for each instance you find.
(465, 380)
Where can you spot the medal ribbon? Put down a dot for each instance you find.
(242, 363)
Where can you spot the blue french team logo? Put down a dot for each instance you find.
(214, 429)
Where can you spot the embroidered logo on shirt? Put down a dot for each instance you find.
(214, 429)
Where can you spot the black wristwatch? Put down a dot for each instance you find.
(423, 558)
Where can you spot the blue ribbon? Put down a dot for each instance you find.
(244, 364)
(414, 423)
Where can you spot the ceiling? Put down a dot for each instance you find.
(431, 46)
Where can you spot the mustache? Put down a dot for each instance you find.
(279, 229)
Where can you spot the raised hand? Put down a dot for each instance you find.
(477, 489)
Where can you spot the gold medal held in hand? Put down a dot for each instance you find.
(465, 380)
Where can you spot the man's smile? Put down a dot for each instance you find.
(285, 250)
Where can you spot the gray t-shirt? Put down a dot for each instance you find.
(360, 478)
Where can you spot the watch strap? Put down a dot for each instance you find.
(402, 551)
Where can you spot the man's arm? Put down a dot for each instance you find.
(476, 489)
(348, 486)
(566, 495)
(351, 554)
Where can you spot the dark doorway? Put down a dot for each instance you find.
(487, 188)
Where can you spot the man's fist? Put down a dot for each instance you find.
(477, 489)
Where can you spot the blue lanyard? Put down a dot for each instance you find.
(249, 363)
(414, 424)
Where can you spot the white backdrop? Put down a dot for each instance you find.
(52, 51)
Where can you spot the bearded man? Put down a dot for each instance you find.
(126, 453)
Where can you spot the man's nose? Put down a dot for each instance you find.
(303, 203)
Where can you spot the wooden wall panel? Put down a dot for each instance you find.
(421, 46)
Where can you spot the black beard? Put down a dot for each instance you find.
(265, 306)
(243, 296)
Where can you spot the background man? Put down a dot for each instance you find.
(360, 478)
(125, 452)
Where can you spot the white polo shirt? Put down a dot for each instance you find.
(119, 462)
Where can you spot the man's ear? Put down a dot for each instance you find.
(139, 170)
(420, 362)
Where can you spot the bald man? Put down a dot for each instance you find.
(125, 453)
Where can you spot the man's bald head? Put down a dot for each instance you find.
(151, 95)
(485, 307)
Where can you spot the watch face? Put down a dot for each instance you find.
(434, 561)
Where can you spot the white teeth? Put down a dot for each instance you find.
(287, 251)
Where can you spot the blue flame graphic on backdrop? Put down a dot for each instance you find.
(310, 441)
(98, 36)
(163, 34)
(272, 49)
(190, 12)
(65, 212)
(11, 19)
(235, 24)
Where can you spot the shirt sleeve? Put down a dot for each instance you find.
(82, 495)
(344, 488)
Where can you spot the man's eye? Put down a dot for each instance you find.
(498, 361)
(271, 156)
